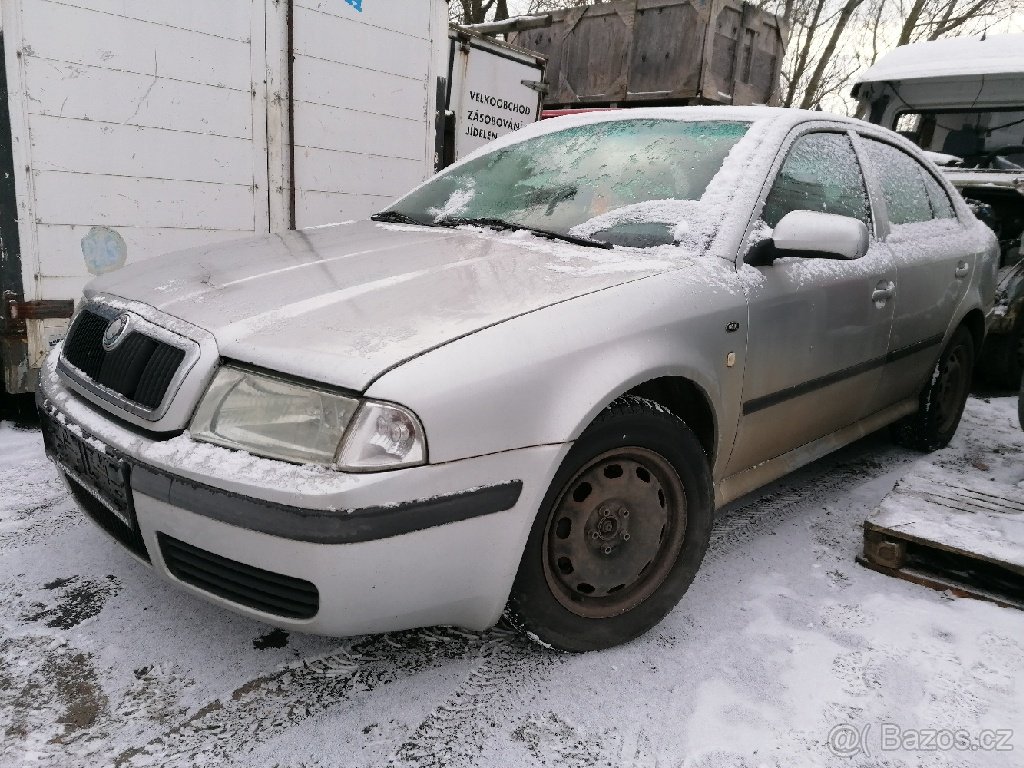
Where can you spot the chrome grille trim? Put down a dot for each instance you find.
(196, 369)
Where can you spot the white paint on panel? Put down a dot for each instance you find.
(408, 17)
(92, 92)
(222, 19)
(337, 39)
(338, 85)
(116, 201)
(330, 171)
(83, 146)
(64, 33)
(337, 128)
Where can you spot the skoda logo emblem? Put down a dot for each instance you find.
(115, 332)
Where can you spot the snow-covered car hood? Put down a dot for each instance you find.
(343, 304)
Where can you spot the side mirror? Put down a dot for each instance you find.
(814, 235)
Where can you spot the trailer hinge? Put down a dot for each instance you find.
(58, 309)
(538, 85)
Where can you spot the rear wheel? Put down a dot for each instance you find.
(621, 534)
(943, 399)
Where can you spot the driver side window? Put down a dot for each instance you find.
(820, 173)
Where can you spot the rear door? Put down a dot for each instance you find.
(933, 260)
(818, 328)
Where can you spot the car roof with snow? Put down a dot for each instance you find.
(783, 117)
(954, 57)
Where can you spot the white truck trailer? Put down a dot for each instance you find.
(131, 128)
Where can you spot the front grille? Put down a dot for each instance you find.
(240, 583)
(139, 369)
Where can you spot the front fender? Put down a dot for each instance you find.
(542, 377)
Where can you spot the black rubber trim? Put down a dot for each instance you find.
(322, 526)
(767, 401)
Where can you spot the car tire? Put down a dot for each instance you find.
(942, 400)
(635, 488)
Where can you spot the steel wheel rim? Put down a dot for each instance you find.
(952, 386)
(615, 532)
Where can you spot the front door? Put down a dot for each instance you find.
(818, 328)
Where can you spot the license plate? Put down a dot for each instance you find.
(102, 475)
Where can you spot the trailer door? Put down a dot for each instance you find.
(495, 89)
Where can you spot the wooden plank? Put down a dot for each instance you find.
(330, 171)
(117, 201)
(64, 33)
(333, 38)
(943, 584)
(230, 20)
(976, 518)
(325, 127)
(407, 18)
(316, 208)
(340, 85)
(125, 150)
(97, 93)
(63, 244)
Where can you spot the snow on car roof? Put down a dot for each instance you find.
(954, 57)
(778, 115)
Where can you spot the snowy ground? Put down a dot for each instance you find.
(782, 640)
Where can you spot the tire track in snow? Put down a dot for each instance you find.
(740, 524)
(234, 725)
(455, 733)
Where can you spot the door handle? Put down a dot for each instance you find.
(883, 292)
(962, 269)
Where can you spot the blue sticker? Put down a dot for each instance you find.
(357, 4)
(104, 250)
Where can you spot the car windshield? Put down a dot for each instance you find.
(981, 138)
(552, 184)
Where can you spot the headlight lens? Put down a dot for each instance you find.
(304, 424)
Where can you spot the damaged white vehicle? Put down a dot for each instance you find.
(525, 387)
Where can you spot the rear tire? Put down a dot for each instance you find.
(942, 400)
(621, 532)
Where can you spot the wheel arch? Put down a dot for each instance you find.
(974, 322)
(687, 400)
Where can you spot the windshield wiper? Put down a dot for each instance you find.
(395, 217)
(505, 225)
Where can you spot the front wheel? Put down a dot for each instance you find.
(943, 399)
(621, 533)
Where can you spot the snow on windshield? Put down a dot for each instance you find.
(628, 182)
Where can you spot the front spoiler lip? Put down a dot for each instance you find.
(317, 525)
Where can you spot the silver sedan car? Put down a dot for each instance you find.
(523, 388)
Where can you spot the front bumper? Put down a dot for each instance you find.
(303, 549)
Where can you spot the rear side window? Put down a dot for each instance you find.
(903, 184)
(820, 173)
(941, 207)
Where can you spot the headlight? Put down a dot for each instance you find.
(305, 424)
